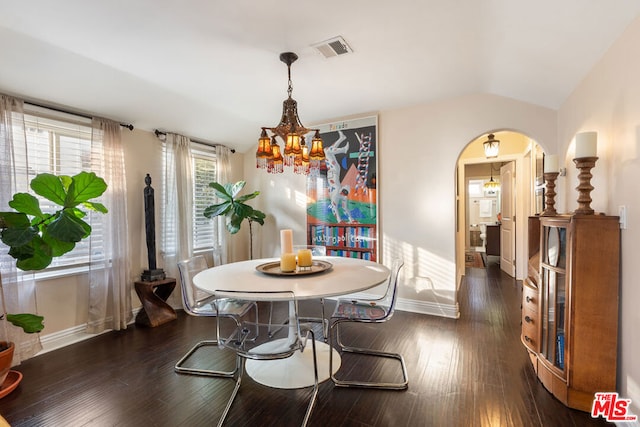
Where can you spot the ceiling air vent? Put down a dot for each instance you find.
(333, 47)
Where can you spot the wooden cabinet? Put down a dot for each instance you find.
(570, 310)
(530, 317)
(493, 240)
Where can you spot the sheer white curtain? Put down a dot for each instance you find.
(18, 287)
(223, 175)
(176, 231)
(110, 273)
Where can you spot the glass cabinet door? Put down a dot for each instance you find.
(553, 295)
(555, 242)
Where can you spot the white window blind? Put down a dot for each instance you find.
(203, 167)
(204, 170)
(61, 144)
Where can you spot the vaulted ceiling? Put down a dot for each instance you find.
(210, 69)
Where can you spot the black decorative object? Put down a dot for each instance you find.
(153, 273)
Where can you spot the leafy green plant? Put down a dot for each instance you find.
(35, 237)
(234, 208)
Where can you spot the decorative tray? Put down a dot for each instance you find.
(273, 269)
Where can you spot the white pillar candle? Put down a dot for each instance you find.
(586, 145)
(551, 163)
(286, 241)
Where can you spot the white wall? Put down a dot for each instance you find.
(608, 101)
(418, 149)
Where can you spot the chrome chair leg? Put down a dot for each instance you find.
(197, 304)
(314, 395)
(179, 368)
(240, 371)
(240, 368)
(369, 352)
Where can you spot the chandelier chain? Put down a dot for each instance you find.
(290, 88)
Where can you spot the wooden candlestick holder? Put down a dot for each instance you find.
(584, 164)
(550, 194)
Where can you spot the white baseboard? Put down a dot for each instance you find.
(431, 308)
(64, 338)
(69, 336)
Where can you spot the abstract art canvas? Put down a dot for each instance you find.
(342, 202)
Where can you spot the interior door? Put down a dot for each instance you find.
(508, 227)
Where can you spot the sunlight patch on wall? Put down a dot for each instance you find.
(301, 199)
(425, 274)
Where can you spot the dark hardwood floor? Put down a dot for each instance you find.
(472, 371)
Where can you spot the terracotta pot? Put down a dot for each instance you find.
(6, 358)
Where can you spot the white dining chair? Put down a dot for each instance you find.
(198, 303)
(282, 344)
(367, 311)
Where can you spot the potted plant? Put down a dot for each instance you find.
(235, 209)
(35, 237)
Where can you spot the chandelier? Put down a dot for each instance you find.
(491, 186)
(296, 153)
(491, 147)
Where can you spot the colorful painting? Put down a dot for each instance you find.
(342, 198)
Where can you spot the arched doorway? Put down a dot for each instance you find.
(477, 208)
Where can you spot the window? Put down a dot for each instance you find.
(475, 187)
(204, 170)
(61, 144)
(203, 167)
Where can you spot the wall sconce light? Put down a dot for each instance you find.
(491, 147)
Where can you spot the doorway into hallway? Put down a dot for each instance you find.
(494, 197)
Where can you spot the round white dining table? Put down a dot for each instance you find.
(346, 276)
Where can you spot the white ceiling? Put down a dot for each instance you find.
(210, 69)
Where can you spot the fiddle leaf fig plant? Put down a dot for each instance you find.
(35, 237)
(234, 208)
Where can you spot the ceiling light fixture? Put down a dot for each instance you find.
(491, 147)
(292, 132)
(491, 186)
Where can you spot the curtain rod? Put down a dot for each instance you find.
(75, 113)
(161, 133)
